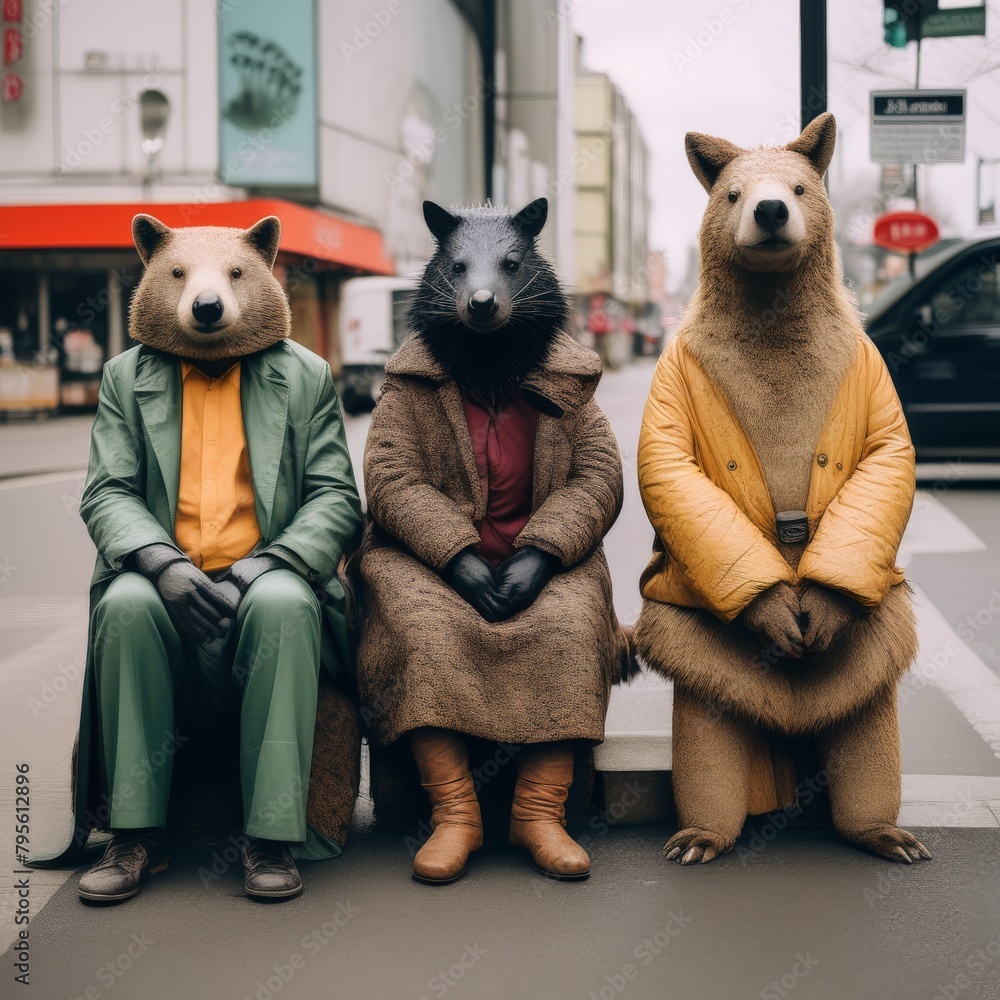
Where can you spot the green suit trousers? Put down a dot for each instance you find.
(266, 677)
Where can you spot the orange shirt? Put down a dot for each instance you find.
(216, 522)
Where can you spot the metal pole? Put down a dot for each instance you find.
(979, 191)
(916, 86)
(812, 61)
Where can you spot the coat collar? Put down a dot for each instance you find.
(565, 382)
(264, 397)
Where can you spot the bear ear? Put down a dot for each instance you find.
(531, 218)
(817, 141)
(709, 156)
(149, 235)
(440, 221)
(264, 237)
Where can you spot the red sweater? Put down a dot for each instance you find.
(504, 444)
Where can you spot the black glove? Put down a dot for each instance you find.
(474, 580)
(198, 609)
(244, 571)
(522, 578)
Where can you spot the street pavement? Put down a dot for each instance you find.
(792, 912)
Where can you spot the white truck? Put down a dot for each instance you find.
(372, 325)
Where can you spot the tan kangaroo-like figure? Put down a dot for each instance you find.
(776, 469)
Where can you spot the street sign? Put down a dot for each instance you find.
(954, 21)
(918, 126)
(905, 232)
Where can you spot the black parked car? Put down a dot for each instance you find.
(940, 337)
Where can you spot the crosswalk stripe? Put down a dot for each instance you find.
(946, 662)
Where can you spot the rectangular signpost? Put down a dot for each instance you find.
(918, 126)
(953, 21)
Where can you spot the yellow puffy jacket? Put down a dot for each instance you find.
(707, 499)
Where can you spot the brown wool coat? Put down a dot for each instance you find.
(425, 656)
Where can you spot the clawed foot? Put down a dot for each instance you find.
(893, 843)
(694, 846)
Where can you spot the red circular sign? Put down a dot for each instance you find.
(11, 87)
(906, 232)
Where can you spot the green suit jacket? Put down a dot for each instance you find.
(306, 498)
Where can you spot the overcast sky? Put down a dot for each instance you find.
(744, 85)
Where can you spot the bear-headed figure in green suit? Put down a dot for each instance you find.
(221, 498)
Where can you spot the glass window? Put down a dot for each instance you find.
(18, 315)
(970, 296)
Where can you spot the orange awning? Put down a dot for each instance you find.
(304, 231)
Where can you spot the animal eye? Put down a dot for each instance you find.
(178, 272)
(733, 195)
(511, 266)
(236, 272)
(799, 189)
(458, 268)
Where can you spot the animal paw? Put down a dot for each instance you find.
(774, 617)
(694, 845)
(827, 615)
(892, 843)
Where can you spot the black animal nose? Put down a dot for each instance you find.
(771, 214)
(207, 309)
(483, 304)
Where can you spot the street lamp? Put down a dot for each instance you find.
(154, 110)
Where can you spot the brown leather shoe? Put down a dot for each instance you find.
(538, 813)
(457, 825)
(270, 872)
(127, 860)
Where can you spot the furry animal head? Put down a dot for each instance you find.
(767, 209)
(489, 305)
(208, 292)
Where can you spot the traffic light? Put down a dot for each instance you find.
(902, 20)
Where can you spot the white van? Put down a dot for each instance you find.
(372, 325)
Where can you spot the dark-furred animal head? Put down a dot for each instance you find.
(208, 292)
(488, 305)
(767, 211)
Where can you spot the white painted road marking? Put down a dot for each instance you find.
(935, 528)
(946, 662)
(21, 482)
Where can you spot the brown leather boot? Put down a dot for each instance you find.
(538, 815)
(457, 825)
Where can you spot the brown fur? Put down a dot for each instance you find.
(207, 255)
(777, 334)
(336, 763)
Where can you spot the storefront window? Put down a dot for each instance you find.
(18, 315)
(79, 310)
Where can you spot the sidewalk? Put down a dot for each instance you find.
(53, 444)
(62, 444)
